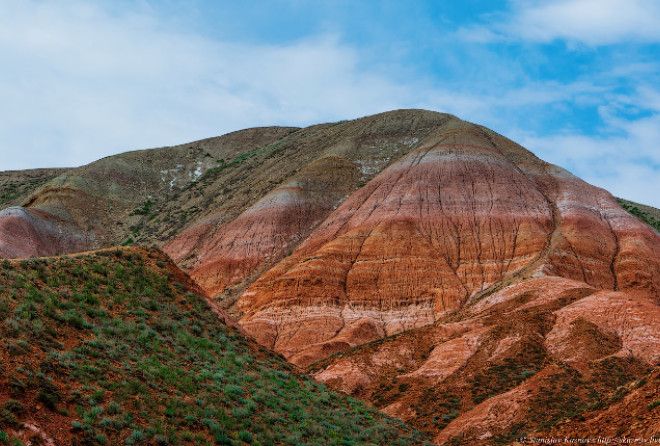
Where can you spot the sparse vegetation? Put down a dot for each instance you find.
(146, 208)
(125, 354)
(644, 215)
(500, 377)
(16, 186)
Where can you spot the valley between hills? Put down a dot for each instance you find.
(402, 278)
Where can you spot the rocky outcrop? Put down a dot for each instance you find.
(465, 289)
(266, 231)
(303, 177)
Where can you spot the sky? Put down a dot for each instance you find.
(577, 82)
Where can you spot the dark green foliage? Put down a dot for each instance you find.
(147, 362)
(48, 394)
(515, 431)
(564, 395)
(436, 408)
(10, 412)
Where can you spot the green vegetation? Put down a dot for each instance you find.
(515, 431)
(146, 208)
(267, 151)
(16, 186)
(436, 408)
(643, 214)
(500, 377)
(560, 397)
(10, 193)
(116, 346)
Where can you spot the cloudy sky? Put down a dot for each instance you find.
(575, 81)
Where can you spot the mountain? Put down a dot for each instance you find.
(427, 265)
(119, 347)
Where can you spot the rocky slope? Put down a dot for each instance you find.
(118, 347)
(425, 264)
(110, 201)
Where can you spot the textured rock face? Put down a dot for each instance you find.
(265, 231)
(434, 231)
(465, 289)
(125, 197)
(313, 171)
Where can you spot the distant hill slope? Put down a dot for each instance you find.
(17, 185)
(117, 347)
(648, 214)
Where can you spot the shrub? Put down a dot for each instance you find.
(245, 436)
(136, 437)
(48, 394)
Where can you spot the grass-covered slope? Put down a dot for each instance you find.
(648, 214)
(117, 347)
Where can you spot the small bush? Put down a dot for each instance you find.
(48, 394)
(245, 436)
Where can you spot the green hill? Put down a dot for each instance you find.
(118, 347)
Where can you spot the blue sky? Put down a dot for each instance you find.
(577, 82)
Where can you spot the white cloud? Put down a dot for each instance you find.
(78, 78)
(627, 165)
(590, 22)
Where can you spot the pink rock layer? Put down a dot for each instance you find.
(31, 232)
(265, 232)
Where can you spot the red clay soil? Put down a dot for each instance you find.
(470, 289)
